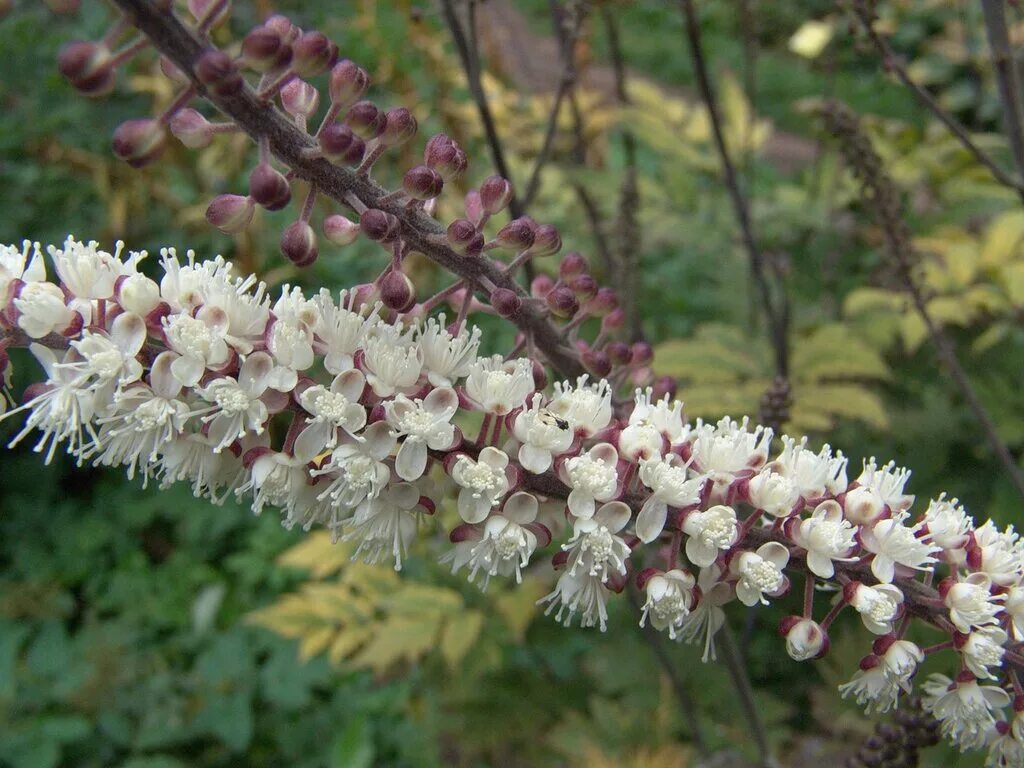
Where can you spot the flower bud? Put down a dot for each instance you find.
(299, 98)
(88, 67)
(506, 303)
(366, 120)
(283, 26)
(212, 12)
(584, 286)
(298, 244)
(664, 385)
(172, 72)
(230, 213)
(139, 142)
(464, 238)
(191, 129)
(562, 302)
(219, 73)
(422, 183)
(541, 286)
(348, 83)
(604, 302)
(379, 225)
(265, 49)
(597, 362)
(397, 291)
(613, 321)
(339, 143)
(642, 353)
(269, 188)
(540, 376)
(618, 352)
(312, 53)
(399, 127)
(572, 265)
(495, 194)
(517, 235)
(805, 639)
(445, 156)
(474, 208)
(546, 240)
(340, 230)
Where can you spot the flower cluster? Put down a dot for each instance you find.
(345, 414)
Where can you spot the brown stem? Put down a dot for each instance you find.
(1007, 76)
(289, 145)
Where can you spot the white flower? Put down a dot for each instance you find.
(878, 606)
(1006, 750)
(334, 410)
(651, 426)
(41, 309)
(813, 474)
(356, 468)
(981, 649)
(669, 600)
(805, 640)
(392, 360)
(579, 593)
(447, 358)
(543, 435)
(237, 408)
(893, 543)
(276, 479)
(190, 458)
(137, 293)
(498, 386)
(963, 708)
(340, 329)
(595, 548)
(593, 477)
(863, 505)
(773, 493)
(670, 487)
(1002, 553)
(872, 685)
(707, 617)
(760, 573)
(587, 407)
(710, 532)
(826, 536)
(507, 543)
(385, 525)
(949, 526)
(888, 482)
(424, 424)
(901, 660)
(483, 483)
(200, 343)
(88, 272)
(971, 603)
(15, 264)
(1014, 607)
(291, 345)
(729, 447)
(112, 357)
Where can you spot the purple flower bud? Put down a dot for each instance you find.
(605, 301)
(517, 235)
(340, 230)
(379, 225)
(312, 53)
(805, 639)
(139, 142)
(299, 98)
(397, 291)
(269, 188)
(571, 265)
(541, 286)
(264, 49)
(191, 129)
(506, 303)
(495, 194)
(88, 68)
(298, 244)
(540, 381)
(664, 385)
(643, 353)
(366, 120)
(202, 10)
(464, 238)
(348, 83)
(546, 240)
(230, 213)
(613, 321)
(562, 302)
(172, 72)
(339, 143)
(399, 127)
(422, 183)
(283, 26)
(219, 73)
(474, 208)
(445, 156)
(597, 362)
(618, 352)
(584, 286)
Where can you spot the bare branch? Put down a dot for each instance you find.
(1007, 76)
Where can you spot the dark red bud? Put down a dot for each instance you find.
(283, 26)
(139, 142)
(546, 240)
(339, 143)
(348, 83)
(397, 291)
(613, 321)
(642, 353)
(562, 302)
(540, 376)
(517, 235)
(571, 265)
(340, 230)
(495, 194)
(597, 362)
(422, 183)
(219, 73)
(269, 187)
(379, 225)
(464, 238)
(298, 244)
(541, 286)
(506, 303)
(618, 352)
(264, 49)
(445, 156)
(584, 286)
(87, 67)
(664, 385)
(366, 120)
(299, 98)
(605, 301)
(191, 129)
(399, 127)
(230, 213)
(312, 53)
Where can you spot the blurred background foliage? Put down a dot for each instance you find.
(142, 629)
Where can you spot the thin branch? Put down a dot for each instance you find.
(292, 147)
(737, 669)
(777, 316)
(890, 60)
(1007, 76)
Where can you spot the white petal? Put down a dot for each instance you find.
(441, 403)
(614, 515)
(651, 520)
(411, 460)
(471, 509)
(188, 370)
(520, 508)
(312, 441)
(349, 384)
(820, 565)
(533, 459)
(129, 333)
(581, 505)
(699, 553)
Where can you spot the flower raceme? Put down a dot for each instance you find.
(345, 414)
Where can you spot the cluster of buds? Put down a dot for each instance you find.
(344, 414)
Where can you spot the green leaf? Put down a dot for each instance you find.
(353, 747)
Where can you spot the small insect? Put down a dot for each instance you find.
(547, 417)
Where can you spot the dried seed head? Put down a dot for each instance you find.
(339, 143)
(348, 83)
(269, 188)
(298, 244)
(230, 213)
(139, 142)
